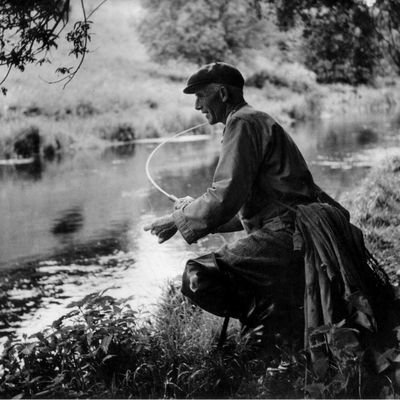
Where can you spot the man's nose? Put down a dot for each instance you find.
(197, 104)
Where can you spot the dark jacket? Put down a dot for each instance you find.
(260, 170)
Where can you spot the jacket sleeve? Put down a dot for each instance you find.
(234, 225)
(235, 173)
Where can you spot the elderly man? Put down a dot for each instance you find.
(259, 174)
(261, 184)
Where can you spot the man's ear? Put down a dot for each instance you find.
(223, 94)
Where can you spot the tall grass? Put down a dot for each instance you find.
(375, 207)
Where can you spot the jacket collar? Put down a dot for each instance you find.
(234, 110)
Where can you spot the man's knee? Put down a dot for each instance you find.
(208, 287)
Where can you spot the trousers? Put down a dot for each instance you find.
(256, 278)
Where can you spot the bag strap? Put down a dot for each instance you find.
(223, 335)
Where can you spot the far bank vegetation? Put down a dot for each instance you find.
(301, 60)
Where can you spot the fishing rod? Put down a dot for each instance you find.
(147, 166)
(173, 198)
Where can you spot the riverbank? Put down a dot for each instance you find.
(103, 349)
(375, 208)
(120, 94)
(33, 128)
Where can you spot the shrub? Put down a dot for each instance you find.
(200, 31)
(85, 109)
(340, 43)
(121, 132)
(100, 349)
(308, 107)
(293, 76)
(27, 142)
(75, 356)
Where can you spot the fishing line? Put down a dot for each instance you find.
(147, 167)
(224, 329)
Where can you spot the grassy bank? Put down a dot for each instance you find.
(102, 349)
(375, 208)
(120, 94)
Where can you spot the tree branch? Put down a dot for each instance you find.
(30, 29)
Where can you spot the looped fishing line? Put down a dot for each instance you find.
(222, 337)
(147, 167)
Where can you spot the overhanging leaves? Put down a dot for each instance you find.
(29, 29)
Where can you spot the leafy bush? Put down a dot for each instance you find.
(121, 132)
(99, 349)
(340, 43)
(386, 15)
(200, 31)
(291, 75)
(309, 107)
(343, 39)
(83, 354)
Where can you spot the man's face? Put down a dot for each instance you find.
(209, 102)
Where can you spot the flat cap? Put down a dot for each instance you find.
(217, 72)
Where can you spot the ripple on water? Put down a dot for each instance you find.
(363, 159)
(34, 297)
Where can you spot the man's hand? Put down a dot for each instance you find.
(182, 202)
(163, 227)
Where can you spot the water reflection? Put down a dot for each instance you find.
(341, 136)
(31, 170)
(48, 207)
(39, 294)
(69, 221)
(120, 151)
(91, 196)
(35, 296)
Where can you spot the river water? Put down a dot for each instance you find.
(75, 225)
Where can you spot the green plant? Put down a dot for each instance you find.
(100, 349)
(83, 353)
(342, 39)
(386, 14)
(200, 31)
(340, 43)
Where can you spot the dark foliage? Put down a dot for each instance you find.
(82, 354)
(29, 29)
(100, 349)
(386, 14)
(345, 36)
(341, 42)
